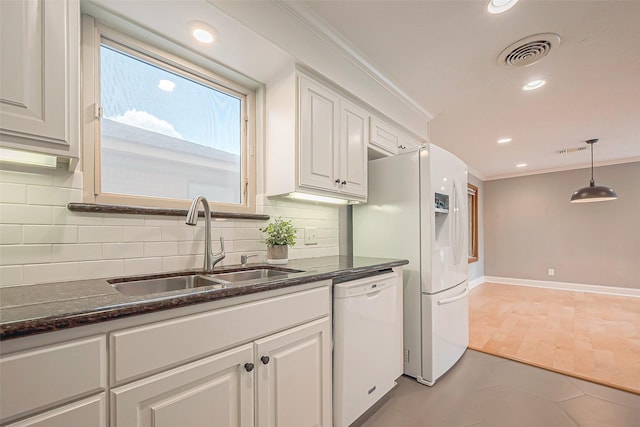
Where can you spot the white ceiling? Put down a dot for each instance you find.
(443, 55)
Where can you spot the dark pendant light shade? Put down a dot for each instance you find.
(593, 193)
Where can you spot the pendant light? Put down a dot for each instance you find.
(593, 193)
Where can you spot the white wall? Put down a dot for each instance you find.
(41, 241)
(531, 227)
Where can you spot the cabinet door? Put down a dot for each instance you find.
(85, 412)
(354, 138)
(217, 390)
(384, 136)
(319, 136)
(39, 83)
(294, 377)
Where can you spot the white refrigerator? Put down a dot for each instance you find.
(417, 210)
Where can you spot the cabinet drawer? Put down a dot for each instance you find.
(140, 351)
(47, 376)
(85, 412)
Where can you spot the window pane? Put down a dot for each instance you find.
(164, 135)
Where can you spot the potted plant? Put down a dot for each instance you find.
(280, 235)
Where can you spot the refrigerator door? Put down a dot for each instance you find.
(443, 217)
(445, 326)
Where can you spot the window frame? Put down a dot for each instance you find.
(472, 193)
(93, 33)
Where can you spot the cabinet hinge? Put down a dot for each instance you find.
(98, 112)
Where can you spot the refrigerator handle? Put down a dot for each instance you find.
(454, 299)
(455, 225)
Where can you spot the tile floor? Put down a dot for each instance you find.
(483, 390)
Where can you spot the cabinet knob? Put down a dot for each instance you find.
(337, 181)
(402, 147)
(344, 183)
(248, 367)
(265, 359)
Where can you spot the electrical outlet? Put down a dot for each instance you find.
(551, 272)
(310, 236)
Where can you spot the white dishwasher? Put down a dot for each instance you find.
(367, 352)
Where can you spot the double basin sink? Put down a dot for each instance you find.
(132, 287)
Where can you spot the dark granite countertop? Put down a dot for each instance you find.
(34, 309)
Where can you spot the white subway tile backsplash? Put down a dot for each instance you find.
(13, 193)
(52, 196)
(49, 234)
(25, 214)
(90, 234)
(62, 216)
(24, 254)
(142, 234)
(179, 263)
(177, 233)
(11, 275)
(10, 234)
(76, 252)
(96, 269)
(122, 250)
(159, 249)
(195, 247)
(47, 273)
(114, 219)
(164, 221)
(42, 241)
(20, 177)
(62, 178)
(142, 266)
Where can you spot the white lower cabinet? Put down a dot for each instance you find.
(217, 390)
(294, 377)
(88, 412)
(289, 373)
(265, 362)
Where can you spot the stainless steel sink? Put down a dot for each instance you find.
(210, 281)
(258, 273)
(165, 284)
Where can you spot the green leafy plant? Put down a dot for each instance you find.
(280, 232)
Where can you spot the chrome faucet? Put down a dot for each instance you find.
(210, 259)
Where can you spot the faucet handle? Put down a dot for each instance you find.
(245, 257)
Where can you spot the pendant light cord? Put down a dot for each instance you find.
(592, 183)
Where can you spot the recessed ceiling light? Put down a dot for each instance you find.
(203, 34)
(534, 84)
(521, 165)
(499, 6)
(166, 85)
(504, 140)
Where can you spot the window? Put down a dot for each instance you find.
(473, 222)
(165, 131)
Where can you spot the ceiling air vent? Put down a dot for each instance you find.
(571, 150)
(528, 50)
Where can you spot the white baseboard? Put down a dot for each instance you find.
(476, 282)
(566, 286)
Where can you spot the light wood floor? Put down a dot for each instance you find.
(586, 335)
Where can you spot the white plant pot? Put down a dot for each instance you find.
(277, 254)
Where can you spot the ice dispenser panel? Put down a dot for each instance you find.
(441, 203)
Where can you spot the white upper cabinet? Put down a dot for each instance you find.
(316, 140)
(388, 139)
(39, 78)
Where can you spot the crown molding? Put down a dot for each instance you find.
(565, 168)
(327, 33)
